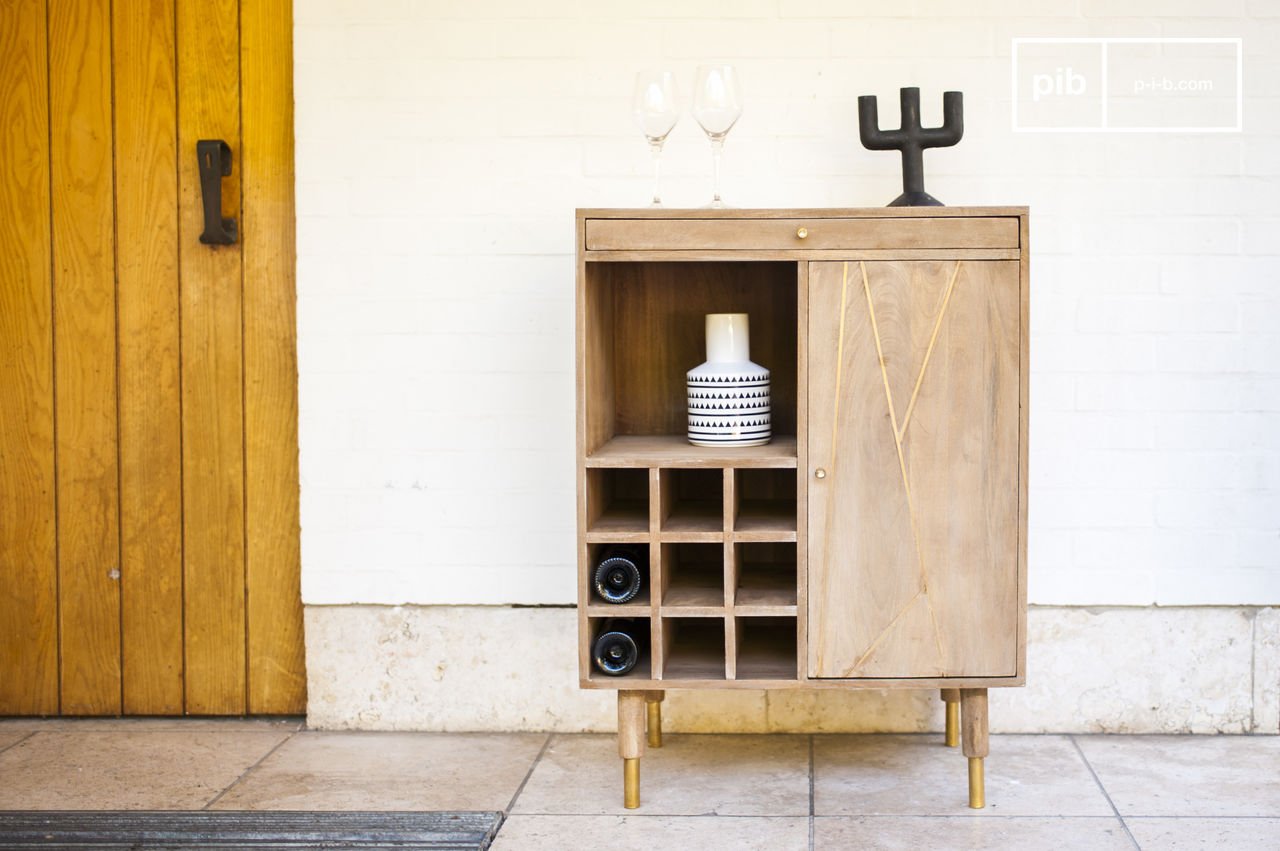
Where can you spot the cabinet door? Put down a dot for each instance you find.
(913, 428)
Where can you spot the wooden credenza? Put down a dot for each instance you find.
(879, 541)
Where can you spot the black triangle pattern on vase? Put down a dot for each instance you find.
(729, 410)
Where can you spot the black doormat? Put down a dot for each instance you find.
(115, 829)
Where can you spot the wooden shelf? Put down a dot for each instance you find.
(676, 451)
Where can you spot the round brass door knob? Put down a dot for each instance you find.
(802, 233)
(820, 473)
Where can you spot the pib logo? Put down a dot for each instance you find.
(1128, 85)
(1062, 82)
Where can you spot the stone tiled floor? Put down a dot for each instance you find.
(699, 791)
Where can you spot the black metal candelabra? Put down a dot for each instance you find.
(912, 139)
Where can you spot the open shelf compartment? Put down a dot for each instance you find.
(766, 648)
(693, 649)
(765, 577)
(644, 329)
(617, 503)
(764, 504)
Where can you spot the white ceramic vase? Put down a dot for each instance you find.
(728, 395)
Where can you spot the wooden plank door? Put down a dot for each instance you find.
(913, 418)
(148, 433)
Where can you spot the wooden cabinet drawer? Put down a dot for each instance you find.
(801, 233)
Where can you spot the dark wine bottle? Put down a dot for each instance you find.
(620, 573)
(619, 644)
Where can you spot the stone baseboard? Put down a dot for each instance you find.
(1204, 669)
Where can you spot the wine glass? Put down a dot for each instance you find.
(655, 110)
(717, 105)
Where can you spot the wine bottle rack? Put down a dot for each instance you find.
(720, 524)
(722, 592)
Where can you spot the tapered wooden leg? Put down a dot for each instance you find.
(653, 699)
(976, 741)
(631, 744)
(952, 698)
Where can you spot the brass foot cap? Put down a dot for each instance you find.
(977, 784)
(631, 784)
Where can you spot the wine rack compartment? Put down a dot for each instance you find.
(692, 504)
(764, 505)
(766, 648)
(617, 504)
(765, 578)
(693, 578)
(638, 605)
(693, 648)
(643, 632)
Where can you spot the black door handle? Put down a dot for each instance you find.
(215, 163)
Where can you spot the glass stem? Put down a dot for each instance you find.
(655, 149)
(717, 148)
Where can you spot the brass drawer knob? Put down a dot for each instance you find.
(802, 233)
(820, 473)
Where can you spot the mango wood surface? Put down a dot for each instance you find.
(84, 317)
(974, 728)
(148, 369)
(800, 233)
(28, 542)
(914, 417)
(631, 724)
(584, 213)
(802, 469)
(1024, 420)
(740, 255)
(670, 450)
(713, 679)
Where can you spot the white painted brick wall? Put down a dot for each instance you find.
(442, 147)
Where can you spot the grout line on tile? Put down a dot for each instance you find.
(1210, 818)
(19, 741)
(1103, 790)
(811, 782)
(249, 770)
(532, 765)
